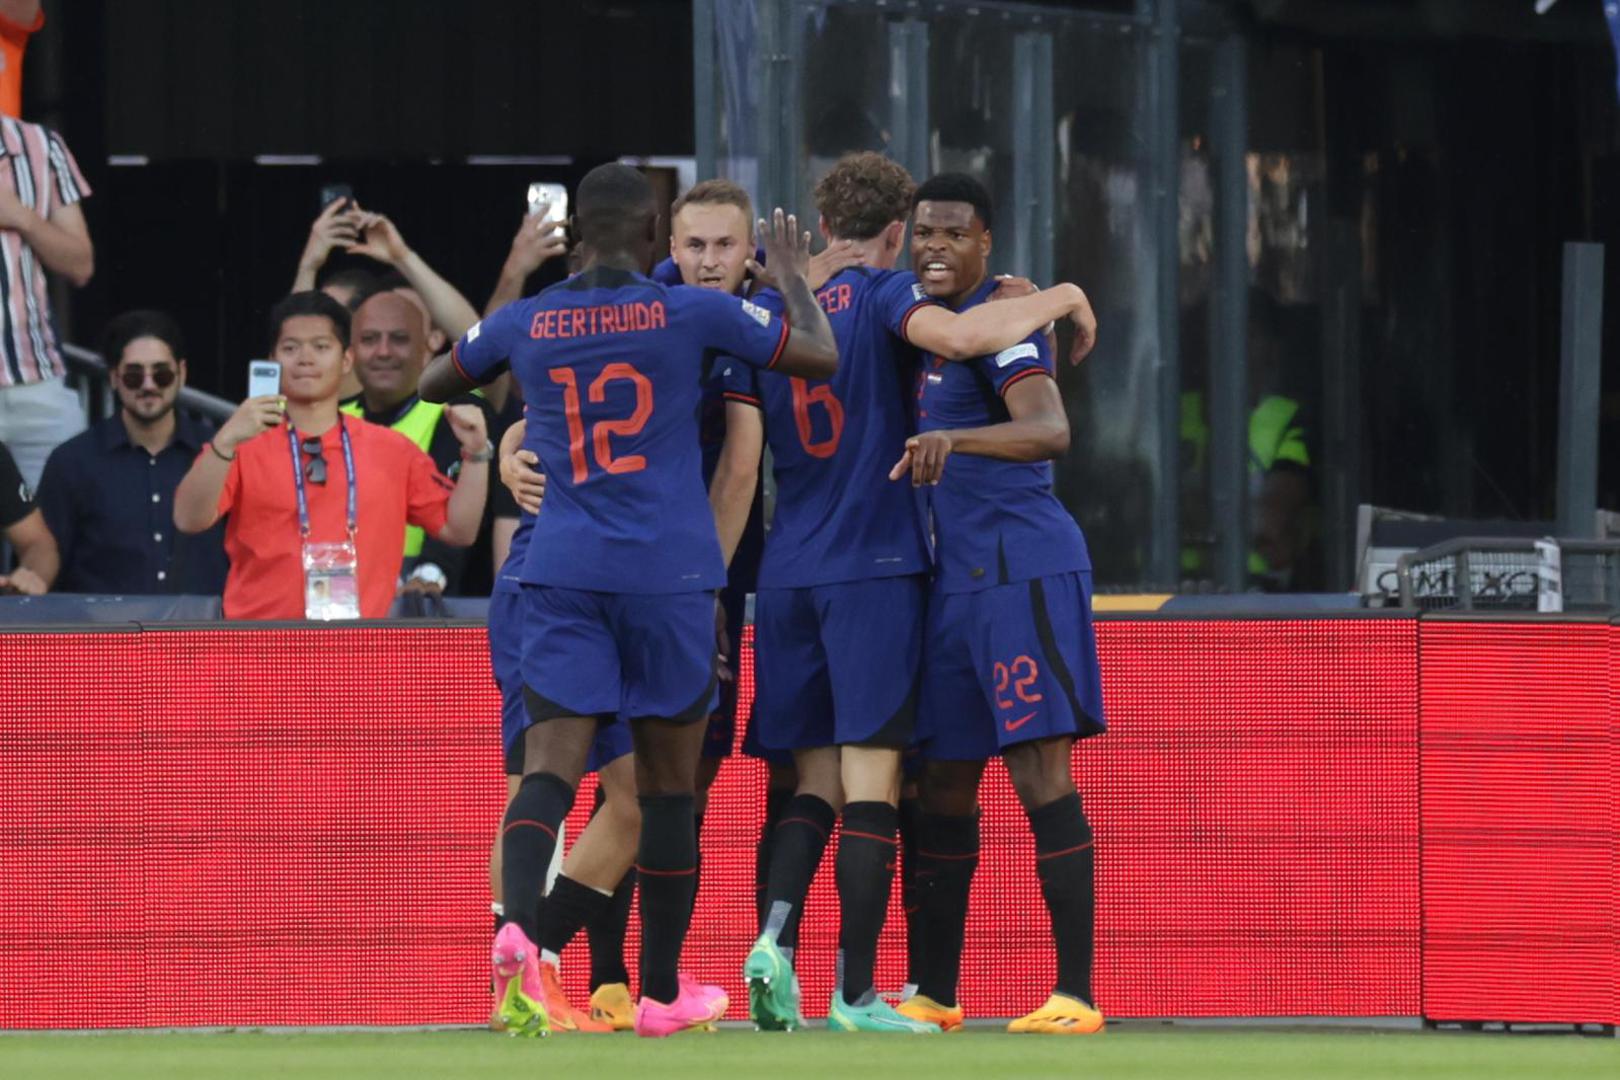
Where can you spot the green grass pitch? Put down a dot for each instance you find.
(1131, 1050)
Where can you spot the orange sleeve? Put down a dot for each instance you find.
(13, 41)
(427, 492)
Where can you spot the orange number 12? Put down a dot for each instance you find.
(603, 430)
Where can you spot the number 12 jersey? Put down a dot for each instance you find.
(611, 366)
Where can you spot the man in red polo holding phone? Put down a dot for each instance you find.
(316, 509)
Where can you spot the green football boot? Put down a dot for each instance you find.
(773, 988)
(873, 1014)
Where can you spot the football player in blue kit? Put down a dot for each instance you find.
(619, 577)
(1010, 661)
(843, 582)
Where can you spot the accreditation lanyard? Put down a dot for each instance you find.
(298, 478)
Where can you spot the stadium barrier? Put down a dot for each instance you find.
(1328, 816)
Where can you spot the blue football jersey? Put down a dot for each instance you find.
(838, 516)
(994, 522)
(611, 365)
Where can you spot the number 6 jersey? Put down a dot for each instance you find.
(838, 516)
(611, 365)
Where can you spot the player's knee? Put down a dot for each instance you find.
(1039, 774)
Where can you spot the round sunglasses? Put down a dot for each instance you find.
(134, 378)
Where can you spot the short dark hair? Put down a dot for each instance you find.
(142, 322)
(716, 193)
(615, 203)
(358, 278)
(312, 302)
(863, 194)
(956, 187)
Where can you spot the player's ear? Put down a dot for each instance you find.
(821, 224)
(984, 243)
(894, 236)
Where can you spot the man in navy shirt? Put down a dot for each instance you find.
(839, 612)
(1010, 663)
(621, 568)
(108, 493)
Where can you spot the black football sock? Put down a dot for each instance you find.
(667, 865)
(528, 838)
(947, 856)
(866, 853)
(776, 801)
(497, 914)
(911, 894)
(569, 907)
(1065, 863)
(606, 935)
(807, 821)
(697, 840)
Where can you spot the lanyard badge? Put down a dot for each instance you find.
(331, 582)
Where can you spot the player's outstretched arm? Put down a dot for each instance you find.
(810, 351)
(1038, 431)
(989, 328)
(736, 475)
(443, 380)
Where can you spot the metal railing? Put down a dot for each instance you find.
(89, 374)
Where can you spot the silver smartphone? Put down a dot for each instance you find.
(552, 196)
(264, 378)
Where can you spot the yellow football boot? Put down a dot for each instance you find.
(1061, 1015)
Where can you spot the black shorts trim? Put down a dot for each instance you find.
(698, 710)
(900, 730)
(1050, 650)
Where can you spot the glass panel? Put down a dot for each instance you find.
(1106, 240)
(843, 90)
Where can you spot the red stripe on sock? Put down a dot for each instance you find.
(525, 821)
(666, 873)
(891, 841)
(948, 858)
(1066, 851)
(803, 821)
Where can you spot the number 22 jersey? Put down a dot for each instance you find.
(838, 516)
(611, 365)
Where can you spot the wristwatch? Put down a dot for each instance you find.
(484, 456)
(428, 572)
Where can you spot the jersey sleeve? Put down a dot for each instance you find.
(485, 350)
(69, 186)
(427, 492)
(739, 382)
(739, 329)
(898, 296)
(1030, 357)
(666, 272)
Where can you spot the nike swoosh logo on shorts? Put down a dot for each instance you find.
(1014, 725)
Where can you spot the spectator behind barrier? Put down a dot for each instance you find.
(389, 348)
(23, 526)
(316, 509)
(108, 493)
(41, 228)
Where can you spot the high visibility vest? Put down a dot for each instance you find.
(1273, 437)
(418, 425)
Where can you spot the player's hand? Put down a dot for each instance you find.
(253, 416)
(722, 645)
(787, 250)
(924, 458)
(1085, 329)
(1011, 287)
(468, 426)
(538, 239)
(338, 226)
(523, 478)
(832, 260)
(380, 240)
(22, 582)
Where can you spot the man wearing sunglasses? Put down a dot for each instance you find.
(317, 506)
(108, 493)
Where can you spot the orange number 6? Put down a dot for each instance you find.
(804, 396)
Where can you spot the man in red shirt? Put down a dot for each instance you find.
(304, 526)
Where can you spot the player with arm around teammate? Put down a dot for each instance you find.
(1010, 661)
(618, 586)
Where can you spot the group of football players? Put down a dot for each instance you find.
(921, 598)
